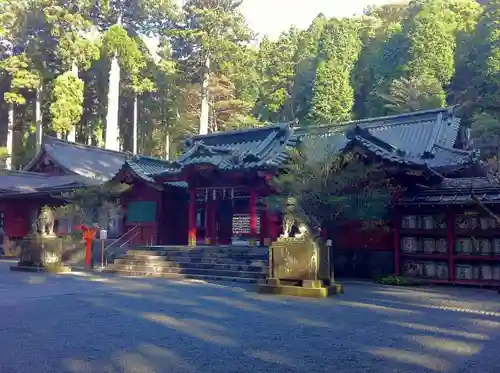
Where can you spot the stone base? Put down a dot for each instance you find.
(272, 286)
(19, 268)
(64, 269)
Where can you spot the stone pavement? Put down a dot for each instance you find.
(96, 324)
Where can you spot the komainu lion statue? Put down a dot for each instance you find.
(291, 220)
(46, 221)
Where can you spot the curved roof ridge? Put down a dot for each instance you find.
(52, 139)
(450, 110)
(268, 126)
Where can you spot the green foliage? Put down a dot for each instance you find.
(407, 95)
(57, 267)
(395, 281)
(305, 68)
(213, 28)
(488, 29)
(485, 132)
(333, 95)
(67, 99)
(316, 183)
(85, 202)
(19, 70)
(117, 42)
(431, 30)
(277, 68)
(80, 51)
(4, 155)
(381, 59)
(397, 57)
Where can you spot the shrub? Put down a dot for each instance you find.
(395, 281)
(56, 267)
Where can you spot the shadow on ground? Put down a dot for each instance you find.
(107, 324)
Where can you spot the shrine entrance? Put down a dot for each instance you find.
(226, 216)
(222, 216)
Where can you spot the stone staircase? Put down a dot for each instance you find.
(215, 263)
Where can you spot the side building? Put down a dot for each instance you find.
(59, 167)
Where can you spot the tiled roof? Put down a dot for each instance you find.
(423, 139)
(96, 163)
(145, 167)
(22, 182)
(419, 139)
(261, 148)
(88, 161)
(454, 191)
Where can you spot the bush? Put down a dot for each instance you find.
(56, 268)
(394, 281)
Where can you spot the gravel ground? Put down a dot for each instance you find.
(95, 324)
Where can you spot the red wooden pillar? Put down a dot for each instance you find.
(273, 226)
(450, 223)
(210, 224)
(265, 239)
(253, 217)
(213, 222)
(396, 221)
(192, 218)
(208, 219)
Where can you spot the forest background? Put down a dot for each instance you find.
(142, 75)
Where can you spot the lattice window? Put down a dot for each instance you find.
(141, 212)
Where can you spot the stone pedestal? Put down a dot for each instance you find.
(40, 254)
(273, 286)
(300, 267)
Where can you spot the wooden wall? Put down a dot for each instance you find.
(146, 232)
(17, 216)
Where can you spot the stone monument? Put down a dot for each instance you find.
(299, 265)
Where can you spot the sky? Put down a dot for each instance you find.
(271, 17)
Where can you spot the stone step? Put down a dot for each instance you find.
(262, 267)
(193, 257)
(199, 258)
(184, 276)
(217, 263)
(167, 272)
(222, 261)
(214, 251)
(203, 247)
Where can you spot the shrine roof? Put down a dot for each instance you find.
(419, 139)
(425, 139)
(263, 147)
(84, 160)
(454, 191)
(144, 167)
(24, 183)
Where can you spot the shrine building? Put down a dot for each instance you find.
(212, 194)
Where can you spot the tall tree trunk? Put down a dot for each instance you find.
(134, 125)
(72, 131)
(112, 131)
(38, 119)
(167, 146)
(205, 106)
(10, 137)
